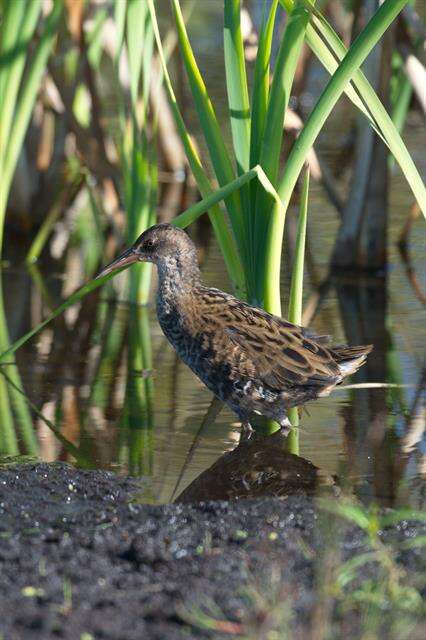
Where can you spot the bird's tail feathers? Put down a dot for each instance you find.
(350, 359)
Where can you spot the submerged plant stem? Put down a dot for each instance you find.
(296, 296)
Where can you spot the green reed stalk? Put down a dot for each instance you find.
(354, 58)
(239, 108)
(8, 439)
(14, 407)
(9, 52)
(330, 51)
(213, 135)
(351, 62)
(20, 413)
(140, 390)
(296, 296)
(225, 240)
(280, 90)
(248, 236)
(24, 106)
(236, 82)
(259, 109)
(260, 92)
(138, 409)
(270, 151)
(110, 332)
(17, 31)
(137, 158)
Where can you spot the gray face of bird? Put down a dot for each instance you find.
(171, 249)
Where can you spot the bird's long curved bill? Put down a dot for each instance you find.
(125, 259)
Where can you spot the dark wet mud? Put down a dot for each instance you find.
(81, 559)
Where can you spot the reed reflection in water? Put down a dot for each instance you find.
(120, 399)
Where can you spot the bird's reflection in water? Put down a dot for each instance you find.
(258, 466)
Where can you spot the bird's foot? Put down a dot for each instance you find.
(285, 427)
(246, 431)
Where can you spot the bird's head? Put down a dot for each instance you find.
(166, 246)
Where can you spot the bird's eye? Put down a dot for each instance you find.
(149, 244)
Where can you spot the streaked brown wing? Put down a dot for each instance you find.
(270, 349)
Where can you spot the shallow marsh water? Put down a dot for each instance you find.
(75, 371)
(358, 434)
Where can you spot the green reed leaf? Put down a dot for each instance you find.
(136, 14)
(236, 82)
(356, 55)
(296, 287)
(259, 107)
(11, 72)
(260, 93)
(212, 132)
(330, 51)
(279, 96)
(280, 91)
(225, 240)
(296, 295)
(120, 12)
(25, 105)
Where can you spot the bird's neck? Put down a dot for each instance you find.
(177, 280)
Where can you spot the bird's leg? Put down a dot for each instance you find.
(246, 430)
(285, 426)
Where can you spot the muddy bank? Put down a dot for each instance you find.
(81, 559)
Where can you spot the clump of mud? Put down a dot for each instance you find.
(81, 559)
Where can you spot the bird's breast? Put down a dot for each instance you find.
(197, 346)
(178, 329)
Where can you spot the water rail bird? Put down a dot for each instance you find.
(255, 362)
